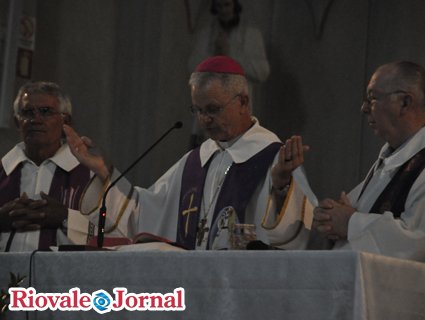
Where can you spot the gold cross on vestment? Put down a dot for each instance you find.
(187, 212)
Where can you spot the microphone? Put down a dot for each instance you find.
(102, 211)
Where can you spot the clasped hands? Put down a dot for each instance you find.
(24, 214)
(331, 217)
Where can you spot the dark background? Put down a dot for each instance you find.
(124, 64)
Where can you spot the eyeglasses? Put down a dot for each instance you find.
(44, 112)
(211, 110)
(369, 99)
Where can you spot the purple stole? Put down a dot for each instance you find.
(394, 196)
(240, 183)
(66, 187)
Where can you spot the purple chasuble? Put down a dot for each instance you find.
(240, 183)
(10, 186)
(66, 187)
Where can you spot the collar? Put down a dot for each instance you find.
(403, 153)
(255, 139)
(63, 158)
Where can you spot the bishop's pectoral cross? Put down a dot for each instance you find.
(202, 229)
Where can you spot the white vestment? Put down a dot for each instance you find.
(132, 210)
(382, 233)
(36, 179)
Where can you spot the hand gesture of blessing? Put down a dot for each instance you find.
(291, 156)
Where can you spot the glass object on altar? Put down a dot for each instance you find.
(240, 235)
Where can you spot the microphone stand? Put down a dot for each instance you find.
(102, 211)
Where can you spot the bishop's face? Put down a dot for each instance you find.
(222, 114)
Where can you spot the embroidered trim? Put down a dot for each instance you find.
(90, 231)
(282, 211)
(121, 213)
(301, 224)
(99, 200)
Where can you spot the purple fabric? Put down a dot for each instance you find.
(394, 196)
(237, 190)
(193, 181)
(9, 185)
(66, 187)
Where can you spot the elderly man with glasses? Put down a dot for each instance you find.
(40, 180)
(238, 176)
(385, 213)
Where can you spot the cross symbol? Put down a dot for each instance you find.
(187, 212)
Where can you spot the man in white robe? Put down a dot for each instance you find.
(242, 174)
(385, 214)
(40, 180)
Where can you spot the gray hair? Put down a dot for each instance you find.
(410, 75)
(43, 87)
(233, 83)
